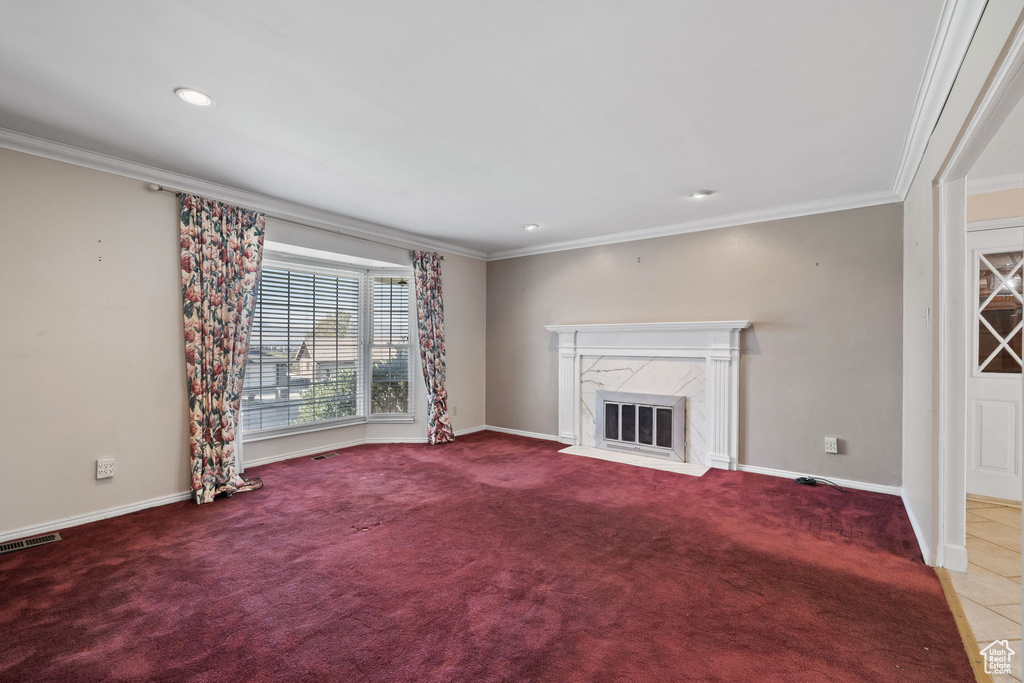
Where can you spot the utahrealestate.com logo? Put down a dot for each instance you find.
(997, 657)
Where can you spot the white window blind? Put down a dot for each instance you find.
(389, 388)
(327, 345)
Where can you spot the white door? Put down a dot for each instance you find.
(994, 380)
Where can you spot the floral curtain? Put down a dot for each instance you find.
(221, 249)
(426, 267)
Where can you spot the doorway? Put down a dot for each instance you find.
(993, 384)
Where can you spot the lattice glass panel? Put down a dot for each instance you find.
(998, 312)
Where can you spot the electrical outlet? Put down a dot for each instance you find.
(105, 468)
(831, 444)
(455, 410)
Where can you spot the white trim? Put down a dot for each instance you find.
(331, 447)
(1013, 181)
(354, 442)
(922, 542)
(86, 518)
(957, 24)
(471, 430)
(298, 454)
(954, 557)
(1001, 96)
(744, 218)
(272, 206)
(995, 224)
(691, 469)
(519, 432)
(119, 510)
(651, 327)
(717, 343)
(845, 483)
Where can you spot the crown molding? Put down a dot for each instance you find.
(957, 24)
(1012, 181)
(272, 206)
(744, 218)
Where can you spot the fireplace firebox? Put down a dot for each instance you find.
(646, 424)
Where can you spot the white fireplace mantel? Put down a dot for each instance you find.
(717, 343)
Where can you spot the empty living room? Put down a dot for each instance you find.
(511, 341)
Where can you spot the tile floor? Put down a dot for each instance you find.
(990, 591)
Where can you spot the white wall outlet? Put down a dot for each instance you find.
(455, 410)
(831, 444)
(105, 468)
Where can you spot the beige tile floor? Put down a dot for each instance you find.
(990, 591)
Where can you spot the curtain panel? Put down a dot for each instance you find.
(430, 323)
(221, 249)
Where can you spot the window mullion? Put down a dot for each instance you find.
(365, 328)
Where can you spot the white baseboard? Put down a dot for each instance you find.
(845, 483)
(519, 432)
(298, 454)
(330, 447)
(922, 542)
(76, 520)
(471, 430)
(954, 557)
(348, 444)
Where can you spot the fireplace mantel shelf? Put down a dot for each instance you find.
(652, 327)
(717, 343)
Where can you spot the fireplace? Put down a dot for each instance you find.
(646, 424)
(691, 368)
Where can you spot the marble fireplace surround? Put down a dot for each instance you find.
(699, 359)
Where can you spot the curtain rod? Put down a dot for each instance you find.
(160, 188)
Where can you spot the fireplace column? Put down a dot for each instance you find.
(569, 388)
(722, 401)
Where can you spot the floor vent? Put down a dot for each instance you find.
(11, 546)
(322, 456)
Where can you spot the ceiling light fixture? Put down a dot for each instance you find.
(530, 226)
(702, 194)
(200, 99)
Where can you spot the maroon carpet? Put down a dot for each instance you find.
(490, 559)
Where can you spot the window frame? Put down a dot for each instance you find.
(364, 363)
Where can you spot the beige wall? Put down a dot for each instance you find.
(920, 267)
(988, 206)
(91, 347)
(822, 359)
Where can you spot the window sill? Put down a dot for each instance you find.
(322, 426)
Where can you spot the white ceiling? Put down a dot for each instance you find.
(462, 120)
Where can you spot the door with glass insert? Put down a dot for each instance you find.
(994, 380)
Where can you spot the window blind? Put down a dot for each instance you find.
(304, 353)
(390, 342)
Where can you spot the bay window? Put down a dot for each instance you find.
(330, 346)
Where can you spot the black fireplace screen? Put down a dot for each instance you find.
(639, 424)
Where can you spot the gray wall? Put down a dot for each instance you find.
(823, 357)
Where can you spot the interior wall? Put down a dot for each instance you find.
(823, 357)
(986, 206)
(921, 331)
(91, 352)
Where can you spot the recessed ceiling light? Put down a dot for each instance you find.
(701, 194)
(200, 99)
(530, 226)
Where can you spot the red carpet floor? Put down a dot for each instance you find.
(491, 559)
